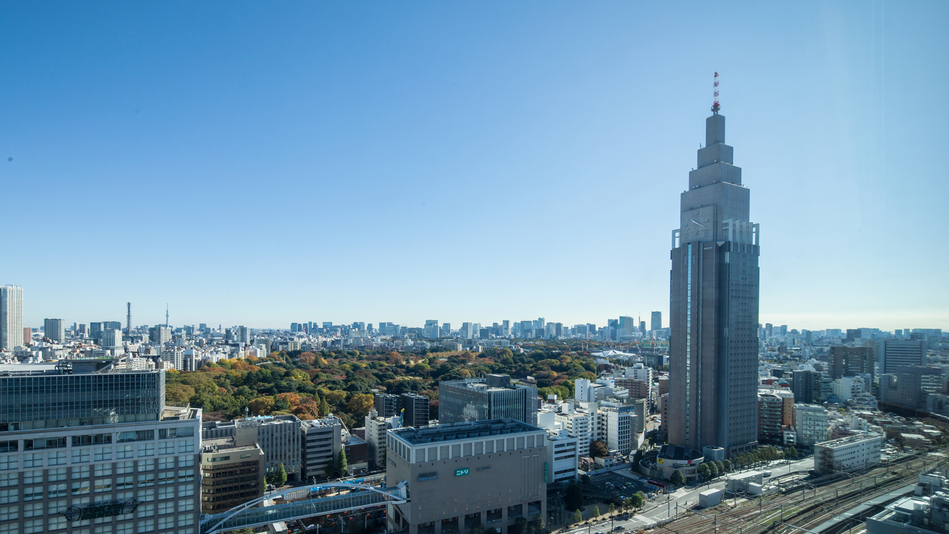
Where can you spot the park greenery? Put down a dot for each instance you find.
(312, 385)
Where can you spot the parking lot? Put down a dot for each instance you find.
(621, 485)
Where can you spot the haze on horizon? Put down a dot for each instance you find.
(260, 164)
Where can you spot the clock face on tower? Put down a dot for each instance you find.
(698, 223)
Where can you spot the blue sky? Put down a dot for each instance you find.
(261, 163)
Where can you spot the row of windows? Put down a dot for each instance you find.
(55, 491)
(98, 454)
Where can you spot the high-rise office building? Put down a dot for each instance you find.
(806, 385)
(851, 361)
(894, 353)
(713, 349)
(243, 335)
(11, 317)
(628, 324)
(415, 408)
(159, 334)
(112, 340)
(54, 330)
(656, 321)
(83, 443)
(492, 397)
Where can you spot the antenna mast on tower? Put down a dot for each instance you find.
(715, 106)
(166, 315)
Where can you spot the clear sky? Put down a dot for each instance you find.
(266, 162)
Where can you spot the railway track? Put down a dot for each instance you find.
(802, 507)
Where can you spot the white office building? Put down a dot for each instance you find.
(562, 456)
(850, 453)
(579, 425)
(812, 423)
(11, 318)
(376, 428)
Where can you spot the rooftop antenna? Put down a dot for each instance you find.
(715, 106)
(166, 315)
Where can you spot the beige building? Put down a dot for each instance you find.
(230, 474)
(489, 472)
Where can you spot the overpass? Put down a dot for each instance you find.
(303, 502)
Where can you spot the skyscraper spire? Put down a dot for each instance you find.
(715, 106)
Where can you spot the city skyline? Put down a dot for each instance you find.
(262, 166)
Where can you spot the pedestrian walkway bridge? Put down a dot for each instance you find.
(303, 502)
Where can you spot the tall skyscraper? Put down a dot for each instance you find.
(714, 306)
(11, 317)
(54, 330)
(656, 321)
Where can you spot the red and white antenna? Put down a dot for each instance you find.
(715, 106)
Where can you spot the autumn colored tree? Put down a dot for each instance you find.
(358, 406)
(598, 449)
(261, 405)
(178, 394)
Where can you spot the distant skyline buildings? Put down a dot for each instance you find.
(431, 326)
(506, 328)
(11, 317)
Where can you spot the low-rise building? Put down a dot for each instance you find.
(912, 515)
(562, 457)
(230, 474)
(743, 482)
(770, 417)
(321, 441)
(673, 458)
(850, 453)
(483, 472)
(278, 436)
(376, 428)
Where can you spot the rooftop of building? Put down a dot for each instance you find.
(327, 422)
(210, 446)
(491, 382)
(68, 367)
(847, 440)
(462, 431)
(266, 420)
(674, 452)
(181, 413)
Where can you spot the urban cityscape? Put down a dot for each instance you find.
(325, 425)
(692, 415)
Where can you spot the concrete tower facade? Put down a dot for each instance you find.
(11, 317)
(713, 304)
